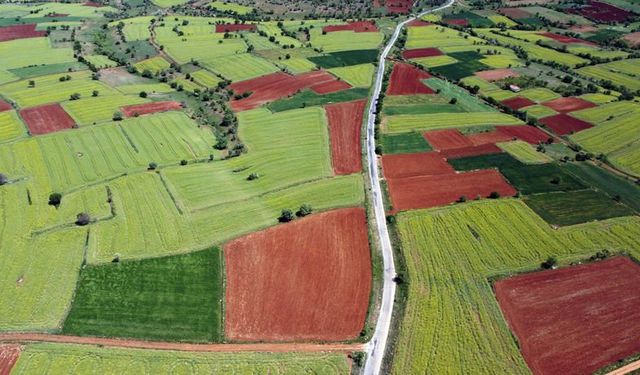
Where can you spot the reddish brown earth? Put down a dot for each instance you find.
(9, 354)
(399, 6)
(46, 118)
(421, 52)
(565, 39)
(633, 38)
(93, 4)
(417, 164)
(418, 23)
(457, 22)
(161, 345)
(514, 13)
(345, 124)
(356, 26)
(406, 80)
(484, 149)
(484, 138)
(583, 28)
(447, 139)
(562, 124)
(231, 27)
(518, 102)
(574, 320)
(569, 104)
(279, 85)
(602, 12)
(306, 280)
(147, 108)
(4, 106)
(496, 74)
(20, 32)
(431, 191)
(526, 133)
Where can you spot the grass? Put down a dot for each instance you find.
(539, 94)
(140, 299)
(308, 98)
(404, 143)
(100, 61)
(623, 73)
(206, 78)
(85, 359)
(524, 152)
(91, 110)
(434, 121)
(355, 75)
(538, 111)
(10, 126)
(448, 90)
(45, 69)
(570, 208)
(168, 3)
(607, 111)
(345, 40)
(345, 58)
(240, 67)
(33, 51)
(528, 179)
(150, 88)
(438, 37)
(450, 252)
(155, 65)
(230, 7)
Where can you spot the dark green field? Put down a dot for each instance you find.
(527, 178)
(21, 21)
(309, 98)
(531, 21)
(575, 207)
(40, 70)
(404, 143)
(474, 19)
(175, 298)
(345, 58)
(419, 109)
(468, 63)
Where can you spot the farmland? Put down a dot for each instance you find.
(434, 121)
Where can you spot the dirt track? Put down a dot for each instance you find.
(626, 369)
(219, 348)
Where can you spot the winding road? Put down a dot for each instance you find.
(376, 347)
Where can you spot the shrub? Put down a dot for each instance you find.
(143, 94)
(95, 93)
(55, 199)
(285, 216)
(253, 176)
(304, 210)
(117, 116)
(83, 219)
(462, 199)
(549, 263)
(494, 195)
(3, 179)
(183, 162)
(153, 166)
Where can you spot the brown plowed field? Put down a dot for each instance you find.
(431, 191)
(235, 27)
(514, 13)
(565, 39)
(398, 6)
(9, 354)
(306, 280)
(161, 345)
(562, 124)
(447, 139)
(496, 74)
(633, 38)
(569, 104)
(147, 108)
(421, 52)
(330, 86)
(418, 23)
(484, 138)
(457, 22)
(418, 164)
(46, 118)
(20, 32)
(525, 133)
(518, 102)
(357, 26)
(574, 320)
(485, 149)
(4, 106)
(345, 125)
(406, 80)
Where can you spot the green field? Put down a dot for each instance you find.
(345, 40)
(450, 252)
(206, 78)
(100, 61)
(224, 6)
(438, 37)
(140, 299)
(308, 98)
(240, 67)
(345, 58)
(524, 152)
(404, 143)
(91, 110)
(33, 51)
(168, 3)
(85, 359)
(355, 75)
(10, 126)
(155, 65)
(434, 121)
(624, 73)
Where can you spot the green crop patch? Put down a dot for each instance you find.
(175, 298)
(310, 98)
(528, 179)
(345, 58)
(473, 19)
(420, 109)
(468, 63)
(41, 70)
(404, 143)
(575, 207)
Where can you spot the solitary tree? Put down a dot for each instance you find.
(83, 218)
(285, 216)
(304, 210)
(494, 195)
(55, 199)
(153, 166)
(3, 179)
(117, 116)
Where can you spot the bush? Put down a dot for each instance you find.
(183, 162)
(3, 179)
(549, 263)
(143, 94)
(83, 219)
(55, 199)
(357, 357)
(462, 199)
(285, 216)
(153, 166)
(304, 210)
(253, 176)
(117, 116)
(494, 195)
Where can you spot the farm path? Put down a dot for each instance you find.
(376, 347)
(628, 369)
(218, 348)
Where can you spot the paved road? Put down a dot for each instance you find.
(375, 348)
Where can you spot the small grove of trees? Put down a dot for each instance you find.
(287, 215)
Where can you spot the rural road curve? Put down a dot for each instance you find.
(161, 345)
(376, 347)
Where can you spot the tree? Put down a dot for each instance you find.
(494, 195)
(3, 179)
(285, 216)
(453, 101)
(117, 116)
(55, 199)
(83, 219)
(304, 210)
(153, 166)
(253, 176)
(549, 263)
(143, 94)
(74, 96)
(183, 162)
(95, 93)
(32, 83)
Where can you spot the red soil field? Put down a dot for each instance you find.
(306, 280)
(569, 104)
(278, 85)
(421, 52)
(447, 139)
(406, 80)
(457, 22)
(231, 27)
(514, 13)
(574, 320)
(562, 124)
(9, 354)
(417, 164)
(46, 118)
(526, 133)
(93, 4)
(484, 149)
(431, 191)
(518, 102)
(356, 26)
(399, 6)
(4, 106)
(496, 74)
(565, 39)
(345, 125)
(20, 32)
(633, 38)
(602, 12)
(484, 138)
(418, 23)
(583, 28)
(147, 108)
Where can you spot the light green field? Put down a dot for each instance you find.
(434, 61)
(90, 110)
(524, 152)
(438, 37)
(502, 61)
(450, 252)
(85, 359)
(355, 75)
(539, 94)
(201, 43)
(625, 73)
(488, 88)
(49, 89)
(168, 3)
(499, 18)
(258, 42)
(100, 61)
(230, 7)
(555, 16)
(538, 111)
(10, 126)
(205, 78)
(33, 51)
(272, 29)
(596, 52)
(150, 88)
(73, 10)
(154, 65)
(240, 67)
(599, 98)
(296, 65)
(188, 85)
(449, 90)
(345, 40)
(607, 111)
(434, 121)
(136, 28)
